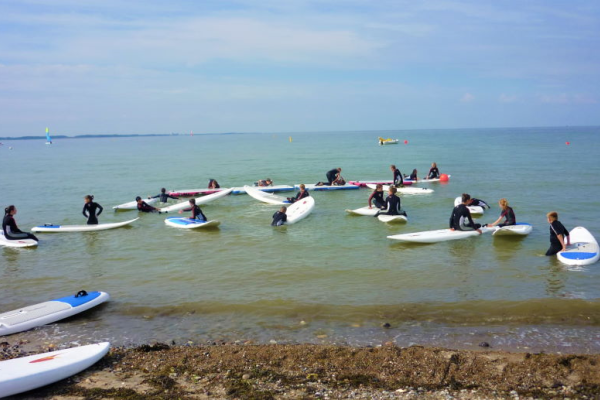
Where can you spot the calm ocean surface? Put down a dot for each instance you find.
(332, 278)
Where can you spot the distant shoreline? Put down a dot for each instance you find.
(109, 136)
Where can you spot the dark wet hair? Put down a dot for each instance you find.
(138, 198)
(9, 209)
(163, 190)
(466, 197)
(90, 197)
(192, 201)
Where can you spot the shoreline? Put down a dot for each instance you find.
(281, 371)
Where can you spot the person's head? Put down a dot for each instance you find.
(392, 190)
(552, 216)
(88, 198)
(393, 167)
(339, 170)
(302, 187)
(379, 187)
(268, 181)
(283, 209)
(10, 210)
(433, 165)
(466, 198)
(193, 202)
(138, 199)
(163, 190)
(414, 171)
(503, 203)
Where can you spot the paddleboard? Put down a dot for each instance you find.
(132, 205)
(583, 249)
(472, 209)
(369, 212)
(190, 223)
(80, 228)
(199, 200)
(372, 182)
(395, 219)
(50, 311)
(424, 180)
(403, 190)
(27, 373)
(440, 235)
(193, 192)
(520, 229)
(16, 243)
(265, 197)
(327, 188)
(300, 210)
(268, 189)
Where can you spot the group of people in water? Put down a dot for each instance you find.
(460, 219)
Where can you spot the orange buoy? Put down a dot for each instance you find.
(444, 178)
(406, 142)
(567, 143)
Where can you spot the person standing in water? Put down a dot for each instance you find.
(10, 228)
(460, 219)
(559, 235)
(163, 196)
(280, 217)
(89, 210)
(196, 211)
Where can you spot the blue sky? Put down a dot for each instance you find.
(115, 67)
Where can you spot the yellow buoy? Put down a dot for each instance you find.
(290, 139)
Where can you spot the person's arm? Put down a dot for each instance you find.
(84, 211)
(101, 209)
(473, 222)
(172, 197)
(154, 197)
(452, 219)
(13, 226)
(371, 198)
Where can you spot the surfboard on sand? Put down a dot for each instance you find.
(440, 235)
(50, 228)
(16, 243)
(27, 373)
(191, 223)
(583, 249)
(29, 317)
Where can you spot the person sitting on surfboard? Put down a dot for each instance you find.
(89, 210)
(10, 228)
(412, 176)
(507, 213)
(264, 182)
(558, 234)
(280, 217)
(196, 211)
(434, 172)
(398, 181)
(461, 219)
(163, 196)
(477, 202)
(300, 195)
(392, 204)
(377, 197)
(145, 207)
(213, 184)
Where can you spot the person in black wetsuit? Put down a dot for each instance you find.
(163, 196)
(264, 182)
(280, 217)
(558, 234)
(507, 213)
(300, 195)
(413, 176)
(145, 207)
(434, 172)
(333, 175)
(392, 204)
(461, 219)
(377, 197)
(398, 181)
(10, 228)
(196, 211)
(477, 202)
(89, 210)
(213, 184)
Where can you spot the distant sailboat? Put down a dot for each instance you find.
(48, 138)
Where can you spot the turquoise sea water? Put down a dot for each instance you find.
(332, 278)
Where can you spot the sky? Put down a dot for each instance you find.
(152, 67)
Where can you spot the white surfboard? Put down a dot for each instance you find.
(393, 219)
(300, 210)
(404, 190)
(199, 200)
(268, 189)
(191, 223)
(520, 229)
(16, 243)
(265, 197)
(369, 212)
(583, 249)
(372, 181)
(193, 192)
(440, 235)
(27, 373)
(424, 180)
(80, 228)
(132, 205)
(324, 188)
(40, 314)
(478, 210)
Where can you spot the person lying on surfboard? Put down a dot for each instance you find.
(145, 207)
(377, 197)
(196, 211)
(460, 219)
(477, 202)
(300, 195)
(412, 176)
(392, 204)
(280, 217)
(10, 228)
(264, 182)
(213, 184)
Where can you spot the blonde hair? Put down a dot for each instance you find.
(393, 189)
(503, 203)
(553, 215)
(302, 186)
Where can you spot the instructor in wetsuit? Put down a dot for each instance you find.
(10, 228)
(461, 219)
(163, 196)
(398, 181)
(89, 210)
(333, 175)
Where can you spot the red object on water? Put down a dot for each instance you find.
(406, 142)
(444, 178)
(567, 143)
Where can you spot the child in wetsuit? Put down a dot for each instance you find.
(280, 217)
(196, 211)
(559, 235)
(10, 228)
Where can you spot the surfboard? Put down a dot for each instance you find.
(440, 235)
(393, 219)
(404, 190)
(27, 373)
(583, 249)
(472, 209)
(190, 223)
(268, 189)
(520, 229)
(372, 182)
(16, 243)
(22, 319)
(199, 200)
(50, 228)
(424, 180)
(369, 212)
(132, 205)
(300, 210)
(193, 192)
(265, 197)
(327, 188)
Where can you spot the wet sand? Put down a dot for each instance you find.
(249, 371)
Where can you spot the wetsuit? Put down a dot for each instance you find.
(480, 203)
(331, 175)
(279, 218)
(398, 177)
(378, 197)
(392, 204)
(461, 219)
(12, 231)
(164, 197)
(299, 196)
(89, 211)
(145, 207)
(212, 184)
(413, 176)
(509, 214)
(196, 213)
(434, 173)
(556, 228)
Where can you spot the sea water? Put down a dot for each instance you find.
(331, 278)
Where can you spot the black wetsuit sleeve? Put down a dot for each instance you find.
(452, 218)
(11, 223)
(101, 209)
(172, 197)
(371, 196)
(85, 214)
